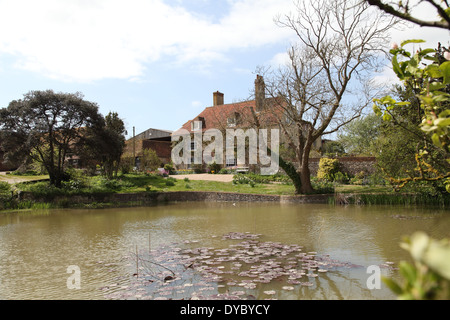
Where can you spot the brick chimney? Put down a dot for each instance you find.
(217, 98)
(260, 93)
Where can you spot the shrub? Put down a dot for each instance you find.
(186, 179)
(5, 187)
(214, 168)
(327, 169)
(376, 179)
(110, 184)
(241, 179)
(126, 163)
(341, 178)
(170, 183)
(170, 168)
(198, 168)
(322, 186)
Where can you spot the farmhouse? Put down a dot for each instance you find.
(260, 113)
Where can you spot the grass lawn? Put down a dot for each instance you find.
(141, 183)
(134, 183)
(130, 183)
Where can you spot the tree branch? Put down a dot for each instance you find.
(406, 16)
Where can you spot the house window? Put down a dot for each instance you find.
(196, 125)
(231, 162)
(193, 145)
(234, 120)
(231, 122)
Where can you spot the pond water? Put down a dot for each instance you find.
(208, 251)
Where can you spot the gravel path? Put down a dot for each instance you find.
(206, 177)
(17, 179)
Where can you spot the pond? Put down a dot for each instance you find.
(200, 250)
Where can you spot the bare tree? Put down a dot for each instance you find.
(327, 81)
(402, 10)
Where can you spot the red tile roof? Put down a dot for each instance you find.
(216, 117)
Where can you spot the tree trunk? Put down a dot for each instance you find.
(305, 177)
(305, 173)
(55, 178)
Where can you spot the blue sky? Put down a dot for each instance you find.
(155, 62)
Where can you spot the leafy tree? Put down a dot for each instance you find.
(149, 160)
(430, 84)
(360, 137)
(333, 148)
(106, 145)
(47, 126)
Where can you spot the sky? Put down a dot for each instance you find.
(154, 62)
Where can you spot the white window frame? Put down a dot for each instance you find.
(228, 162)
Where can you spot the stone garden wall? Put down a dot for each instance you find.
(349, 165)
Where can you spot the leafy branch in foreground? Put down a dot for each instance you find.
(429, 276)
(430, 83)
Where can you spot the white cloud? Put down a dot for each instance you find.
(279, 60)
(85, 40)
(196, 104)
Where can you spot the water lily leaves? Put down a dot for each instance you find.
(181, 271)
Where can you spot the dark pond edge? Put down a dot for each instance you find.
(101, 200)
(173, 196)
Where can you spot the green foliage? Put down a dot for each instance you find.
(6, 198)
(149, 160)
(333, 148)
(5, 187)
(111, 145)
(198, 168)
(430, 84)
(263, 179)
(46, 126)
(170, 182)
(341, 178)
(429, 275)
(126, 163)
(24, 173)
(322, 186)
(170, 168)
(360, 137)
(328, 168)
(214, 168)
(292, 173)
(242, 179)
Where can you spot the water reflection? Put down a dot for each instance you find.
(36, 248)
